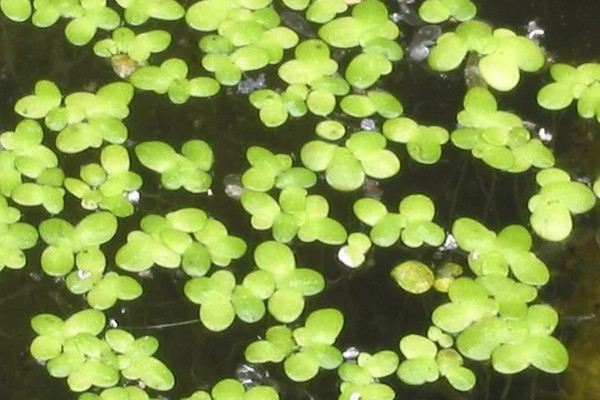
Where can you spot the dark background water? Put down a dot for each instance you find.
(377, 312)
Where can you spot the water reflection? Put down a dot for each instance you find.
(407, 13)
(249, 85)
(421, 43)
(233, 186)
(297, 23)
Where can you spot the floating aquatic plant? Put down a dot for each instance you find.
(503, 53)
(412, 223)
(78, 245)
(185, 237)
(129, 51)
(557, 199)
(498, 138)
(369, 19)
(490, 314)
(292, 284)
(230, 388)
(509, 250)
(16, 237)
(188, 169)
(139, 11)
(581, 83)
(171, 78)
(375, 101)
(303, 350)
(436, 11)
(106, 185)
(364, 154)
(362, 378)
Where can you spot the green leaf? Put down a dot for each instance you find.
(365, 69)
(153, 373)
(341, 32)
(344, 172)
(380, 364)
(301, 367)
(228, 389)
(321, 102)
(57, 261)
(88, 321)
(358, 106)
(274, 257)
(261, 393)
(433, 11)
(96, 229)
(157, 156)
(321, 327)
(500, 71)
(137, 254)
(417, 371)
(385, 104)
(551, 221)
(286, 305)
(16, 10)
(415, 346)
(217, 314)
(92, 373)
(448, 53)
(46, 97)
(44, 348)
(317, 155)
(461, 378)
(80, 30)
(413, 276)
(263, 208)
(472, 235)
(188, 220)
(386, 231)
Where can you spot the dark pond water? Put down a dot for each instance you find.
(377, 313)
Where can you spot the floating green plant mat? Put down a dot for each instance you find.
(70, 163)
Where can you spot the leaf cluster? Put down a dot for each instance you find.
(303, 350)
(364, 154)
(581, 83)
(503, 53)
(412, 223)
(424, 363)
(362, 377)
(15, 237)
(85, 119)
(186, 237)
(557, 199)
(231, 389)
(24, 156)
(106, 185)
(249, 37)
(188, 169)
(497, 137)
(71, 349)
